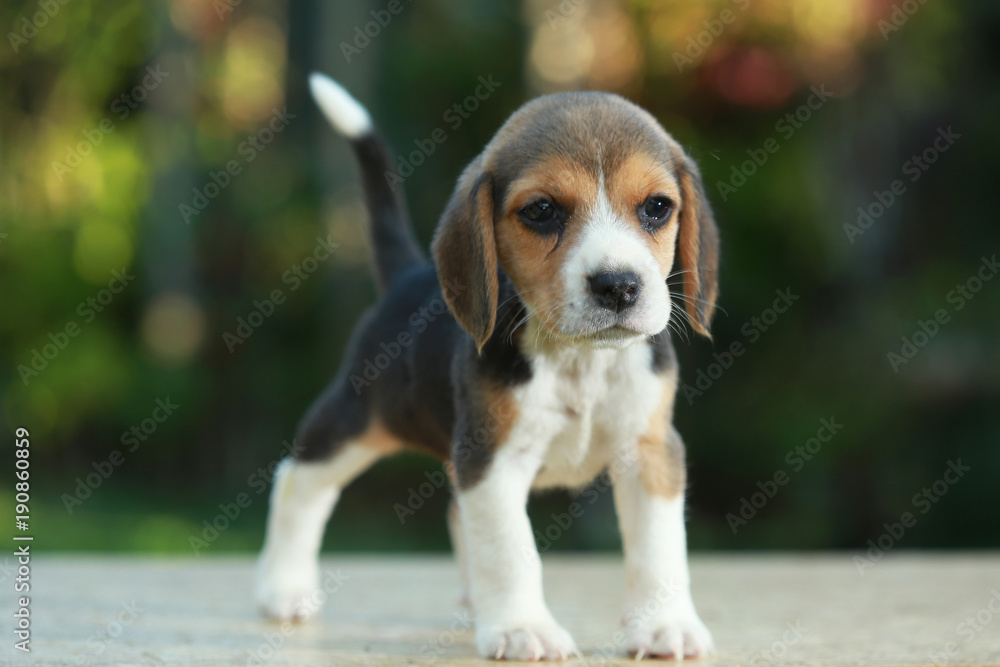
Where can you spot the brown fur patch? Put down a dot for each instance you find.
(491, 412)
(464, 250)
(502, 410)
(533, 261)
(380, 439)
(639, 177)
(661, 450)
(698, 246)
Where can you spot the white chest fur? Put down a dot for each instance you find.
(584, 407)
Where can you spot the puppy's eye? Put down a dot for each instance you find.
(655, 212)
(541, 215)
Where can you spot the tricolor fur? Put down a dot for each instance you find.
(552, 365)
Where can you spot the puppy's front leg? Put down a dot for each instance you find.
(660, 617)
(505, 570)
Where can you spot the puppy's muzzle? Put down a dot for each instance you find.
(615, 290)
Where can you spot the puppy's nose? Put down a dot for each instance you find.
(615, 290)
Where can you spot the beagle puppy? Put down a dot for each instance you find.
(551, 365)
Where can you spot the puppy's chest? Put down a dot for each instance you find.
(586, 407)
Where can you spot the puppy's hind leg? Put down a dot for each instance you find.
(461, 558)
(332, 448)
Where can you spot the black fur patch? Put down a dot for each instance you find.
(411, 365)
(664, 355)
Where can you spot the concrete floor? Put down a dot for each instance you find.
(906, 609)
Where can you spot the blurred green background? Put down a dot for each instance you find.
(118, 122)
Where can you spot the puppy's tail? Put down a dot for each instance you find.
(394, 243)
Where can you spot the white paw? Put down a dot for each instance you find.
(546, 640)
(287, 591)
(670, 634)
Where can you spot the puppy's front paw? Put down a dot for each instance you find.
(545, 640)
(287, 592)
(672, 634)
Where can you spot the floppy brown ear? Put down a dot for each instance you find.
(698, 249)
(465, 252)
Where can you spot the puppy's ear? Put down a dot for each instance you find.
(465, 252)
(698, 248)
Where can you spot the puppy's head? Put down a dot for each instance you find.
(583, 200)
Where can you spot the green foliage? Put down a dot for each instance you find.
(70, 221)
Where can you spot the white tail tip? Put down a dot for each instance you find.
(343, 111)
